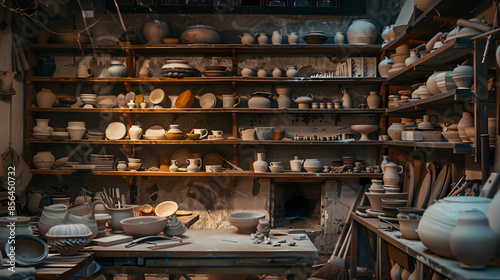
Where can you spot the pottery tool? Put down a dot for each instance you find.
(457, 186)
(167, 245)
(118, 197)
(123, 200)
(146, 239)
(391, 224)
(232, 165)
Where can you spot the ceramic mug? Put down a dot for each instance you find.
(247, 134)
(201, 131)
(230, 101)
(275, 163)
(213, 168)
(217, 133)
(84, 71)
(278, 135)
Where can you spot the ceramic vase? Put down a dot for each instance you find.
(118, 214)
(277, 72)
(439, 220)
(284, 102)
(346, 100)
(247, 72)
(45, 98)
(472, 241)
(493, 214)
(412, 58)
(384, 66)
(312, 165)
(173, 167)
(44, 156)
(338, 38)
(42, 125)
(247, 38)
(262, 39)
(277, 37)
(174, 227)
(391, 174)
(135, 132)
(51, 215)
(395, 131)
(463, 76)
(262, 73)
(466, 121)
(373, 100)
(154, 31)
(385, 160)
(292, 70)
(293, 38)
(361, 31)
(117, 69)
(46, 66)
(121, 166)
(260, 166)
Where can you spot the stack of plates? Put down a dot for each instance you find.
(89, 99)
(59, 135)
(95, 135)
(390, 206)
(102, 162)
(68, 165)
(177, 69)
(216, 71)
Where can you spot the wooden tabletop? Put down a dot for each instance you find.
(61, 267)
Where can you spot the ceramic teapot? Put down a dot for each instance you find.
(293, 38)
(193, 167)
(260, 99)
(296, 164)
(304, 99)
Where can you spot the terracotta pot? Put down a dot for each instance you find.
(260, 166)
(373, 100)
(361, 31)
(466, 121)
(277, 37)
(154, 31)
(262, 39)
(472, 241)
(45, 98)
(395, 130)
(384, 66)
(203, 34)
(284, 102)
(277, 72)
(440, 219)
(292, 70)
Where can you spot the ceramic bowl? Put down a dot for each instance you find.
(76, 133)
(408, 226)
(30, 250)
(170, 40)
(134, 160)
(376, 198)
(68, 239)
(246, 221)
(451, 136)
(193, 136)
(166, 208)
(276, 169)
(143, 225)
(134, 165)
(174, 136)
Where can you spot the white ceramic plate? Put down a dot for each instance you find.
(116, 131)
(157, 96)
(208, 100)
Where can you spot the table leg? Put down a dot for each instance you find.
(354, 250)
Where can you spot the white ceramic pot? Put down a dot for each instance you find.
(391, 174)
(277, 37)
(384, 66)
(385, 160)
(121, 166)
(260, 166)
(76, 133)
(76, 124)
(277, 72)
(312, 165)
(117, 69)
(296, 164)
(174, 128)
(293, 38)
(472, 241)
(463, 76)
(432, 84)
(118, 214)
(339, 38)
(361, 31)
(440, 219)
(193, 166)
(45, 98)
(262, 73)
(247, 38)
(395, 130)
(412, 58)
(51, 215)
(292, 70)
(154, 31)
(247, 72)
(373, 100)
(135, 132)
(203, 34)
(262, 39)
(466, 121)
(42, 126)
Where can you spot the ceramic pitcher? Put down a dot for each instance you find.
(193, 167)
(391, 174)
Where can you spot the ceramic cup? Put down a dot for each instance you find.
(213, 168)
(230, 101)
(264, 133)
(278, 135)
(247, 134)
(217, 133)
(276, 169)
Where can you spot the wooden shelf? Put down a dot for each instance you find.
(446, 98)
(290, 175)
(205, 142)
(204, 80)
(440, 59)
(221, 49)
(209, 111)
(430, 22)
(457, 148)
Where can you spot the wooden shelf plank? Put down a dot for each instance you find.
(457, 148)
(209, 111)
(291, 175)
(456, 95)
(272, 80)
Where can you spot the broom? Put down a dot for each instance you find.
(335, 268)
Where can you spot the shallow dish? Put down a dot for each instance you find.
(166, 208)
(143, 225)
(193, 136)
(29, 250)
(116, 131)
(174, 136)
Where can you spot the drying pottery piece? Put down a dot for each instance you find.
(193, 167)
(338, 38)
(247, 72)
(245, 221)
(174, 227)
(292, 70)
(395, 130)
(472, 241)
(391, 174)
(69, 239)
(101, 220)
(107, 101)
(440, 219)
(373, 100)
(143, 225)
(118, 214)
(262, 39)
(116, 131)
(364, 130)
(412, 58)
(408, 226)
(166, 209)
(260, 166)
(45, 98)
(277, 37)
(361, 31)
(29, 250)
(293, 38)
(200, 34)
(444, 81)
(463, 76)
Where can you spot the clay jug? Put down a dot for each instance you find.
(45, 98)
(472, 241)
(361, 31)
(293, 38)
(339, 38)
(395, 131)
(33, 204)
(466, 121)
(193, 167)
(391, 174)
(247, 38)
(346, 100)
(412, 58)
(262, 39)
(277, 37)
(51, 215)
(173, 167)
(373, 100)
(260, 166)
(135, 132)
(154, 31)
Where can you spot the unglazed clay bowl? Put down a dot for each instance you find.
(246, 221)
(408, 227)
(30, 250)
(166, 208)
(143, 225)
(376, 198)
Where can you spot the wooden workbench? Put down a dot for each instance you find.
(413, 248)
(212, 251)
